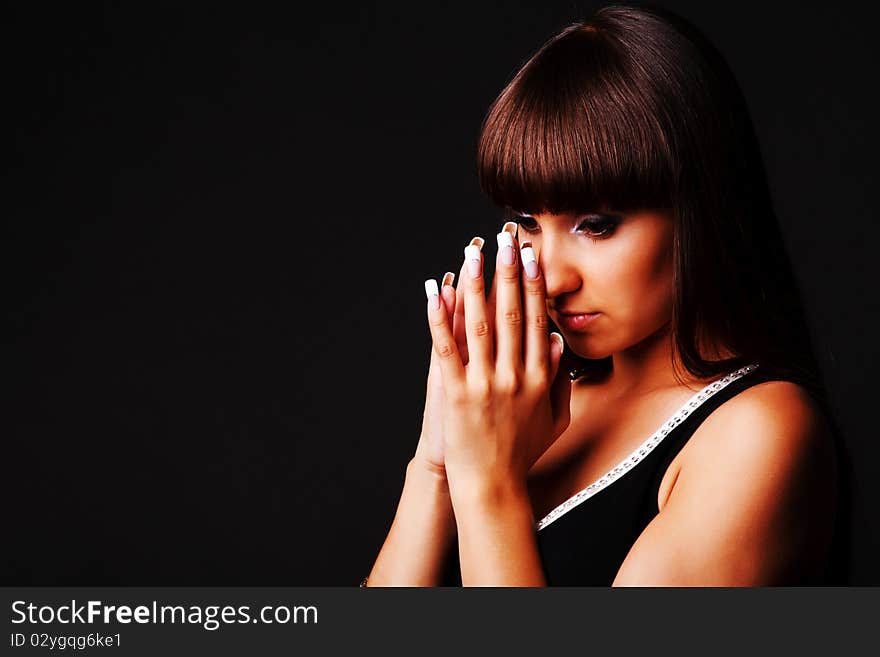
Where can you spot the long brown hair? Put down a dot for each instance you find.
(633, 108)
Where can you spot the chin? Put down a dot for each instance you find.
(586, 347)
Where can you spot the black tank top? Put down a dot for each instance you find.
(584, 540)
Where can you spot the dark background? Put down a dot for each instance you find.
(218, 222)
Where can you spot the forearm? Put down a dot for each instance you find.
(496, 536)
(421, 534)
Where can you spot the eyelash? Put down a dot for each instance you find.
(602, 227)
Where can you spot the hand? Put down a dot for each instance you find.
(430, 449)
(507, 402)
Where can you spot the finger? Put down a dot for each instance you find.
(493, 290)
(435, 383)
(560, 390)
(458, 328)
(557, 346)
(509, 315)
(448, 297)
(490, 305)
(480, 341)
(447, 293)
(434, 394)
(448, 355)
(537, 339)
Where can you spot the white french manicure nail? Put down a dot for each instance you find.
(448, 279)
(505, 245)
(432, 293)
(530, 263)
(472, 259)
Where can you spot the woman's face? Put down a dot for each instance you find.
(617, 265)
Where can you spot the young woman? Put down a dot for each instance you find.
(677, 431)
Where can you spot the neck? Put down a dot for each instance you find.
(646, 365)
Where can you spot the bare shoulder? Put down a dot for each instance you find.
(753, 501)
(774, 423)
(766, 456)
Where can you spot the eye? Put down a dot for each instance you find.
(599, 226)
(527, 224)
(593, 226)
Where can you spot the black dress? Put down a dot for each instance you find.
(584, 540)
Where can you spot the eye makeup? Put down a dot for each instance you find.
(593, 225)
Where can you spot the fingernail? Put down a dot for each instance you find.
(556, 336)
(448, 278)
(432, 293)
(472, 259)
(530, 263)
(478, 242)
(511, 227)
(505, 245)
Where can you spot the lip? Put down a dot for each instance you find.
(577, 321)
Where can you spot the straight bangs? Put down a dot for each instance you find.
(577, 130)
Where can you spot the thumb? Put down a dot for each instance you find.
(560, 390)
(557, 346)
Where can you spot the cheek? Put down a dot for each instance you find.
(640, 273)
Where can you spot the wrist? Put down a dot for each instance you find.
(428, 483)
(428, 486)
(488, 494)
(421, 532)
(432, 473)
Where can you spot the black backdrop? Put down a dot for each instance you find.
(217, 227)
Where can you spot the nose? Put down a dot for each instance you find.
(559, 265)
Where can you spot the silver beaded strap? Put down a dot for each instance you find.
(645, 448)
